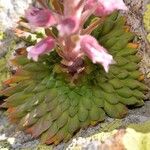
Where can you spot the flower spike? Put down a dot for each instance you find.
(72, 40)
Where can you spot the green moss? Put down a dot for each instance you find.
(2, 35)
(108, 127)
(5, 145)
(142, 127)
(44, 147)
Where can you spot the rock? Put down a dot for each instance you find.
(11, 10)
(134, 135)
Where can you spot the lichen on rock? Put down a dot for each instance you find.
(120, 139)
(146, 20)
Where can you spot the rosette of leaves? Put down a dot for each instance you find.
(44, 102)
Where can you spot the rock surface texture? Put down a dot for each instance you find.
(10, 11)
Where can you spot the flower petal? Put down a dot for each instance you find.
(95, 52)
(68, 26)
(72, 16)
(73, 8)
(40, 17)
(105, 7)
(44, 46)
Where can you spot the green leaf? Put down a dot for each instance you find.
(115, 111)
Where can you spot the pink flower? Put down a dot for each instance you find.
(95, 52)
(40, 17)
(70, 22)
(73, 40)
(73, 8)
(67, 23)
(68, 26)
(44, 46)
(105, 7)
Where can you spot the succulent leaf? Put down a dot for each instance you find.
(43, 101)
